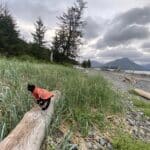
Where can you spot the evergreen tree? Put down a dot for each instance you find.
(86, 64)
(70, 32)
(38, 36)
(89, 63)
(37, 49)
(9, 36)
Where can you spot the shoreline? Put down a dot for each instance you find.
(128, 72)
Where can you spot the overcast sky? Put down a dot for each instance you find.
(115, 28)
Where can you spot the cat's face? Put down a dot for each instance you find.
(31, 87)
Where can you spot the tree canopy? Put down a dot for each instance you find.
(68, 37)
(9, 36)
(40, 30)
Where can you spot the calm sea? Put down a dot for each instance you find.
(138, 72)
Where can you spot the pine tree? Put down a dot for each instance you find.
(9, 35)
(70, 31)
(8, 24)
(89, 63)
(39, 34)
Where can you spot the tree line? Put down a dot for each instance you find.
(64, 45)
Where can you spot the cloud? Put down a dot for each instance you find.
(26, 12)
(121, 51)
(31, 10)
(146, 47)
(144, 59)
(139, 16)
(110, 54)
(93, 28)
(125, 35)
(126, 27)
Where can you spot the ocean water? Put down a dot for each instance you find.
(138, 72)
(129, 71)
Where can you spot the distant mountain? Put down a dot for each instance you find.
(96, 64)
(146, 66)
(123, 64)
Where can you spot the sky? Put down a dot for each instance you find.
(115, 28)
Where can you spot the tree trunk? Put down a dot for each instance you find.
(30, 132)
(51, 56)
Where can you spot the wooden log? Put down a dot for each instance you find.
(131, 80)
(127, 79)
(30, 132)
(142, 93)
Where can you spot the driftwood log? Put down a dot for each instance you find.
(142, 93)
(131, 80)
(30, 132)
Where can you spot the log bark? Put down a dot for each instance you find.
(30, 132)
(142, 93)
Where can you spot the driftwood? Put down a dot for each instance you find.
(131, 80)
(142, 93)
(30, 132)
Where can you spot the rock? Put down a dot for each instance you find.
(146, 129)
(102, 141)
(95, 147)
(91, 134)
(135, 132)
(89, 145)
(133, 113)
(74, 147)
(100, 147)
(109, 146)
(141, 113)
(131, 122)
(97, 138)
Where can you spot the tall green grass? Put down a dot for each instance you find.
(142, 105)
(85, 99)
(124, 141)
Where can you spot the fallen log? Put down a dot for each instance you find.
(131, 80)
(142, 93)
(30, 132)
(128, 79)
